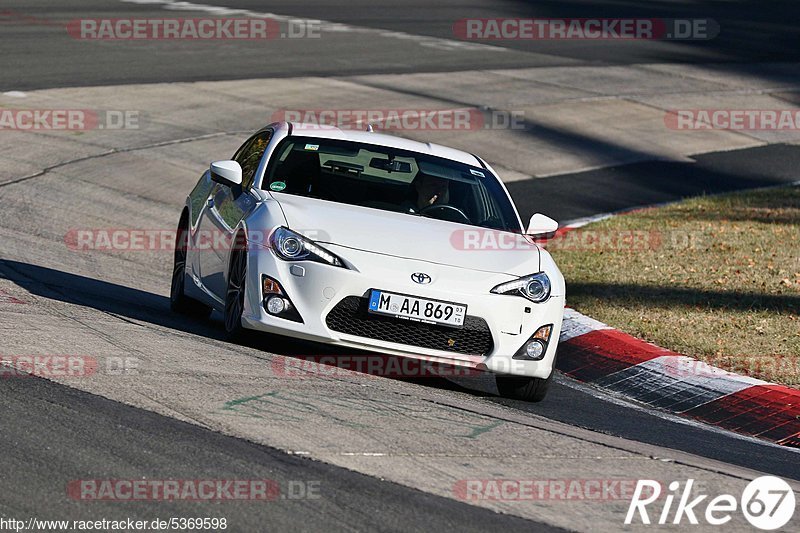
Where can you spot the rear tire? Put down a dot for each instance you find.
(178, 301)
(522, 388)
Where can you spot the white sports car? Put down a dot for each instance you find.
(369, 241)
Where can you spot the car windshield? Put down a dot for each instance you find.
(390, 179)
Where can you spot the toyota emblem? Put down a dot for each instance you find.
(421, 278)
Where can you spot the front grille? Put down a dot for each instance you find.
(350, 316)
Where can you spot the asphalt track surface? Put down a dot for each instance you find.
(52, 433)
(37, 52)
(57, 447)
(614, 189)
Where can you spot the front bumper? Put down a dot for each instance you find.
(511, 320)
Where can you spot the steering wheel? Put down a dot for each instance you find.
(446, 212)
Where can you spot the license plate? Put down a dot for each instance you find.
(417, 309)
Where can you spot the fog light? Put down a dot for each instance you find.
(276, 302)
(535, 349)
(276, 305)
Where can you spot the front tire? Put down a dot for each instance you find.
(522, 388)
(178, 301)
(234, 296)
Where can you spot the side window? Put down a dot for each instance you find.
(249, 156)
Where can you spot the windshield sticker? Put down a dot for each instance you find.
(314, 147)
(277, 186)
(477, 173)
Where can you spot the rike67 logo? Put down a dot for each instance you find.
(767, 502)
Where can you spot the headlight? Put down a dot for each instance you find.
(292, 246)
(535, 287)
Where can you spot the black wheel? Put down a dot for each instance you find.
(178, 301)
(522, 388)
(234, 296)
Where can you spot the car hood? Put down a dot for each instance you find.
(409, 236)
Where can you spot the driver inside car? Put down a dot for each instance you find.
(429, 190)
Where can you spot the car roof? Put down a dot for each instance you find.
(382, 139)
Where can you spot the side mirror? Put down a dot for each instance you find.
(226, 172)
(541, 225)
